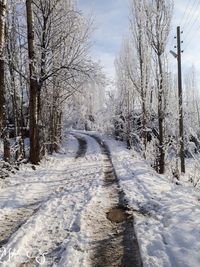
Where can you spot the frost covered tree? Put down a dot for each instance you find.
(158, 16)
(191, 112)
(142, 68)
(126, 92)
(140, 73)
(62, 63)
(45, 65)
(86, 107)
(15, 78)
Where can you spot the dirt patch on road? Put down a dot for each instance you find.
(117, 215)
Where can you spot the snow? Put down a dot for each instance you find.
(52, 216)
(167, 214)
(54, 195)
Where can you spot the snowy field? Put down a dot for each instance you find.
(48, 215)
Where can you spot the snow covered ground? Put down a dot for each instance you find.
(40, 209)
(52, 216)
(167, 214)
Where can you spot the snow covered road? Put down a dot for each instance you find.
(112, 243)
(97, 204)
(68, 212)
(40, 209)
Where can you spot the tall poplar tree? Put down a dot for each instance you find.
(33, 127)
(158, 15)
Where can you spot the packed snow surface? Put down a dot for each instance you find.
(47, 214)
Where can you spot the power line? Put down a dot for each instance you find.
(189, 19)
(186, 15)
(182, 19)
(189, 30)
(190, 12)
(193, 20)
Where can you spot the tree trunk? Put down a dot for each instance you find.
(128, 123)
(2, 71)
(33, 127)
(161, 119)
(3, 122)
(143, 79)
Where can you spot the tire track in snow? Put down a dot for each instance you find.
(14, 219)
(82, 146)
(113, 241)
(51, 236)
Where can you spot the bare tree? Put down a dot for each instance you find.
(33, 127)
(39, 83)
(63, 62)
(158, 15)
(126, 91)
(14, 80)
(140, 77)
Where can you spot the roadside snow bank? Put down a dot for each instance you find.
(167, 214)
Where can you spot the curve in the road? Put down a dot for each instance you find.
(82, 146)
(116, 250)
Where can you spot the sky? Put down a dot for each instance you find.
(111, 18)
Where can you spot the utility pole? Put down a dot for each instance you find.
(180, 96)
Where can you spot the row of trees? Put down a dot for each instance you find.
(48, 78)
(142, 75)
(147, 97)
(44, 62)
